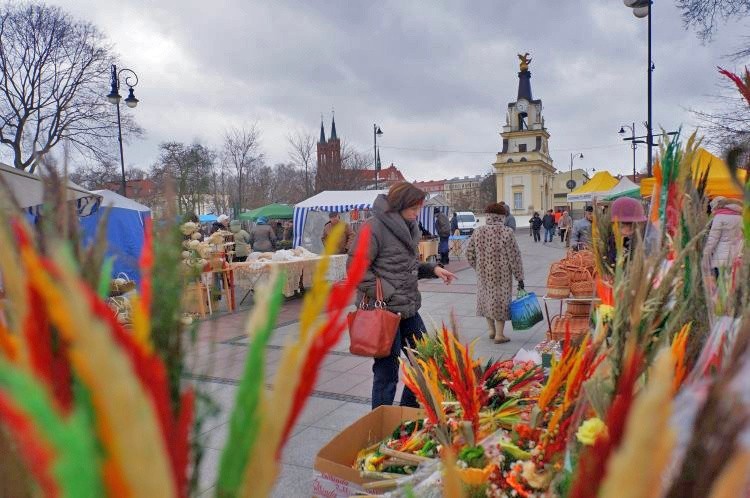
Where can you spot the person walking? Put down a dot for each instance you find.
(510, 220)
(536, 225)
(394, 259)
(221, 223)
(443, 229)
(548, 222)
(566, 223)
(346, 239)
(262, 236)
(581, 238)
(241, 241)
(493, 252)
(724, 243)
(454, 224)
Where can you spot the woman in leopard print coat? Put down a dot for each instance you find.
(493, 252)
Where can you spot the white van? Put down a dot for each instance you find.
(467, 222)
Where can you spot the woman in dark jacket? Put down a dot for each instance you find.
(394, 259)
(536, 225)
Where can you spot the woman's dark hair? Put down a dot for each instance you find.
(404, 195)
(496, 209)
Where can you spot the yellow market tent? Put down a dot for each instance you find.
(719, 177)
(600, 184)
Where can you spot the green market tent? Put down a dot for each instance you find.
(271, 211)
(626, 188)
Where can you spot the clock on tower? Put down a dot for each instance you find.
(523, 167)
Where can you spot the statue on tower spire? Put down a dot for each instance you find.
(525, 61)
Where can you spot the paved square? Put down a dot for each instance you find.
(342, 392)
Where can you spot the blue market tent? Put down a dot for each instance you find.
(207, 218)
(125, 231)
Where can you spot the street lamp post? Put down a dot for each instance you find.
(375, 132)
(640, 140)
(571, 184)
(633, 144)
(131, 80)
(641, 9)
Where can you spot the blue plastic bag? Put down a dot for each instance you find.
(525, 311)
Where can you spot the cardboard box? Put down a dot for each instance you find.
(333, 464)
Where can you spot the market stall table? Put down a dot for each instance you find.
(458, 245)
(298, 273)
(427, 249)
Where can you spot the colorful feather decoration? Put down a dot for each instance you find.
(288, 385)
(329, 333)
(110, 374)
(245, 420)
(646, 447)
(72, 450)
(742, 83)
(37, 455)
(594, 460)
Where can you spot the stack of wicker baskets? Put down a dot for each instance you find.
(574, 274)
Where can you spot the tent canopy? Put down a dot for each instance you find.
(599, 184)
(207, 218)
(271, 211)
(125, 229)
(719, 181)
(28, 191)
(342, 201)
(626, 188)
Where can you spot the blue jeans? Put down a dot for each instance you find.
(549, 233)
(385, 370)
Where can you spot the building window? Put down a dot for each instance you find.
(521, 147)
(517, 201)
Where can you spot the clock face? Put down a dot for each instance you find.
(522, 106)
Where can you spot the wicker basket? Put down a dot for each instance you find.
(579, 308)
(561, 323)
(558, 284)
(580, 274)
(583, 288)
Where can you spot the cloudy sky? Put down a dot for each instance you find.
(435, 75)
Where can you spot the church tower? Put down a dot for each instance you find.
(523, 168)
(329, 158)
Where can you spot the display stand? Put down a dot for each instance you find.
(562, 301)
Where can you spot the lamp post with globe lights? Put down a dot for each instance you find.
(114, 97)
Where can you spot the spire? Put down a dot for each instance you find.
(322, 132)
(333, 127)
(524, 78)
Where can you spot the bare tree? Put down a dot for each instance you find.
(102, 174)
(190, 168)
(241, 152)
(301, 152)
(705, 15)
(54, 71)
(288, 184)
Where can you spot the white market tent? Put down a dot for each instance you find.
(28, 192)
(623, 187)
(343, 201)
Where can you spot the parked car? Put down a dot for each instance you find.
(467, 222)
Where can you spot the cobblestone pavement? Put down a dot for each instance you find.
(342, 393)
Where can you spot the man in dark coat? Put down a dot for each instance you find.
(548, 222)
(443, 229)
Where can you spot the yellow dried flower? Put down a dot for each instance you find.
(591, 430)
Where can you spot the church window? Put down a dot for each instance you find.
(517, 201)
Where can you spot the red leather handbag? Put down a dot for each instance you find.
(372, 328)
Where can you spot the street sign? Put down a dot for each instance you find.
(571, 184)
